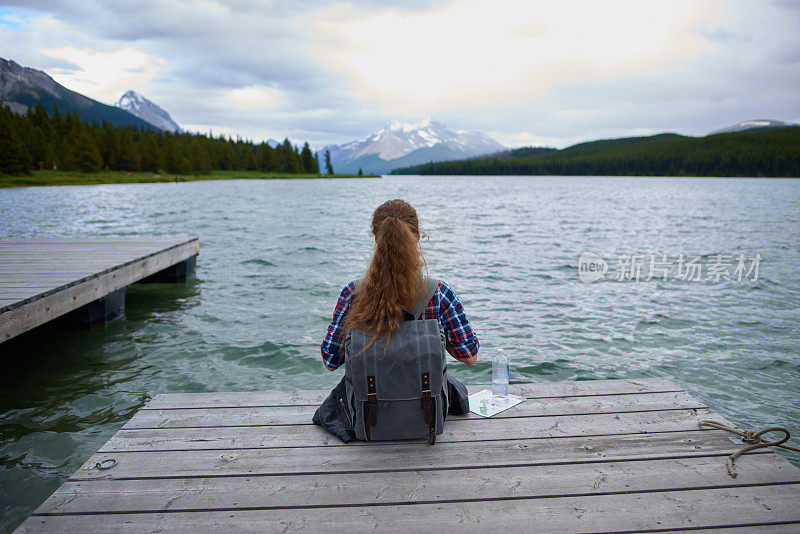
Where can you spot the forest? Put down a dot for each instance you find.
(764, 152)
(38, 140)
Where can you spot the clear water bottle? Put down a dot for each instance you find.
(500, 375)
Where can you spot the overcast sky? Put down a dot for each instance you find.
(526, 72)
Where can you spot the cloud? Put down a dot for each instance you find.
(105, 74)
(528, 71)
(481, 50)
(254, 98)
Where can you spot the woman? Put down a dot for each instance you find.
(393, 280)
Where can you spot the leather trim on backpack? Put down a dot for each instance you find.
(370, 407)
(428, 408)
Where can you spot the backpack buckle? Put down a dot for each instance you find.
(426, 402)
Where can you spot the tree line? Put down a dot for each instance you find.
(767, 152)
(38, 140)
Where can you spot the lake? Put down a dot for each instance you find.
(274, 255)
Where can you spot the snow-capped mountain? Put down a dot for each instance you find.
(399, 144)
(752, 125)
(148, 111)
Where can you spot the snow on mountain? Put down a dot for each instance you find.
(148, 111)
(398, 144)
(753, 124)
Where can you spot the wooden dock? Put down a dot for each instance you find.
(42, 279)
(592, 456)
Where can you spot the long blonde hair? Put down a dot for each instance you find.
(394, 277)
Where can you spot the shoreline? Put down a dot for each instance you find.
(58, 178)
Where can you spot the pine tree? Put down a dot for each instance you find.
(328, 166)
(39, 149)
(128, 159)
(309, 164)
(150, 154)
(87, 155)
(265, 158)
(14, 158)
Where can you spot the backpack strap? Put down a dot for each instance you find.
(370, 407)
(432, 285)
(428, 408)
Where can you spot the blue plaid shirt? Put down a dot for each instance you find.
(444, 306)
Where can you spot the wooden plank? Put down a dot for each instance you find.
(94, 239)
(24, 284)
(246, 399)
(7, 273)
(88, 260)
(100, 247)
(27, 243)
(784, 528)
(103, 496)
(46, 278)
(98, 253)
(291, 415)
(55, 264)
(411, 455)
(21, 293)
(36, 312)
(705, 508)
(76, 258)
(51, 279)
(456, 430)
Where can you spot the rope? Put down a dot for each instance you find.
(754, 438)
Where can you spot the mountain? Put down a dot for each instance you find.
(753, 152)
(753, 125)
(398, 145)
(148, 111)
(22, 87)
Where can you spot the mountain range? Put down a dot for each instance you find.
(22, 87)
(395, 146)
(752, 149)
(398, 144)
(136, 104)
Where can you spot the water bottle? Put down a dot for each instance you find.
(500, 375)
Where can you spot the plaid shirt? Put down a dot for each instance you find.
(444, 306)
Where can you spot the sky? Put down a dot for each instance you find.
(527, 72)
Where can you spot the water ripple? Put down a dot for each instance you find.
(275, 254)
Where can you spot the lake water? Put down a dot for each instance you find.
(274, 256)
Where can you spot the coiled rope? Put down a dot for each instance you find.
(754, 438)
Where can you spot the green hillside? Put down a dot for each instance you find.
(763, 152)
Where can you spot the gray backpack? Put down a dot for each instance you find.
(402, 393)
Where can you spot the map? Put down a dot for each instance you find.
(484, 404)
